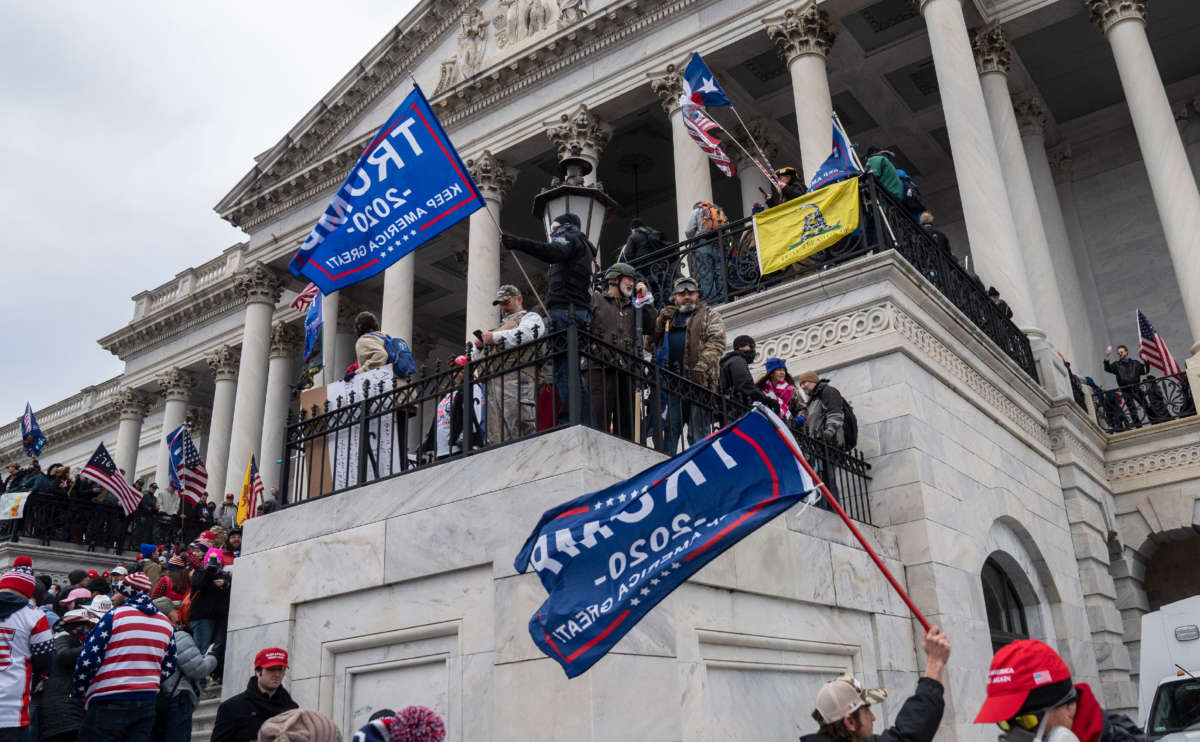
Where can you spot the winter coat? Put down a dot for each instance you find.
(1128, 371)
(640, 243)
(883, 169)
(208, 600)
(239, 718)
(453, 407)
(613, 315)
(58, 713)
(225, 515)
(370, 351)
(570, 256)
(795, 189)
(917, 720)
(191, 667)
(826, 416)
(736, 383)
(704, 343)
(164, 588)
(939, 238)
(153, 570)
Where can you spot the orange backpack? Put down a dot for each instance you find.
(711, 217)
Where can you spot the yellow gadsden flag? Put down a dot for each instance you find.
(798, 228)
(252, 489)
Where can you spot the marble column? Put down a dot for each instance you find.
(329, 313)
(995, 245)
(993, 55)
(804, 36)
(175, 385)
(581, 134)
(693, 182)
(751, 181)
(483, 241)
(1188, 121)
(343, 339)
(397, 316)
(1031, 121)
(262, 289)
(224, 362)
(132, 407)
(1171, 180)
(287, 342)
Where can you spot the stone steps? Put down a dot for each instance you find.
(205, 716)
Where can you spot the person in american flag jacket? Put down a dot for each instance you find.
(125, 658)
(27, 649)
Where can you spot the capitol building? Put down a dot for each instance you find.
(1057, 143)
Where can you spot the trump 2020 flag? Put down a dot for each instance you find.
(839, 165)
(408, 186)
(700, 84)
(608, 557)
(31, 434)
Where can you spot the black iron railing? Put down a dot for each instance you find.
(96, 526)
(383, 431)
(725, 264)
(1153, 400)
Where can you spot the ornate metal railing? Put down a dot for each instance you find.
(725, 264)
(1153, 400)
(50, 519)
(383, 431)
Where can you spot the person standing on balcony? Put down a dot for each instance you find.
(939, 237)
(879, 163)
(512, 412)
(642, 241)
(825, 420)
(570, 256)
(1129, 377)
(691, 338)
(615, 321)
(370, 349)
(706, 218)
(790, 186)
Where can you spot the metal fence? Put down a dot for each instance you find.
(1153, 400)
(384, 431)
(725, 265)
(95, 526)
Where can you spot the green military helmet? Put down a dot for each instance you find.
(617, 271)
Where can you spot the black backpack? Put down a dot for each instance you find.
(849, 425)
(912, 197)
(654, 241)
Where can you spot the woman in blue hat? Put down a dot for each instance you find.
(779, 385)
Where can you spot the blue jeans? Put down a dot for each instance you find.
(207, 631)
(118, 721)
(14, 734)
(698, 419)
(828, 475)
(177, 727)
(559, 318)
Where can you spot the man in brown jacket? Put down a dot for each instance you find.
(693, 335)
(615, 321)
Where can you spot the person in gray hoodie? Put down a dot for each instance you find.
(173, 720)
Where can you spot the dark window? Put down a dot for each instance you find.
(1005, 611)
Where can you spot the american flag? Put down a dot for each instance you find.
(101, 470)
(306, 298)
(188, 473)
(699, 128)
(1153, 348)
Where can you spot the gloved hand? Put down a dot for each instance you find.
(697, 375)
(830, 435)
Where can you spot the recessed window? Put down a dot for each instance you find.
(1005, 611)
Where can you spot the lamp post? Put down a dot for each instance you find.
(569, 194)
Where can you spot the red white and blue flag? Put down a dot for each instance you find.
(700, 127)
(31, 434)
(189, 475)
(102, 470)
(1153, 349)
(608, 557)
(700, 85)
(306, 298)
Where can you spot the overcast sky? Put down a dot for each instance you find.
(122, 123)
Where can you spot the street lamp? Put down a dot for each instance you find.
(569, 194)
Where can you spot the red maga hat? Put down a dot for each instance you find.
(271, 657)
(1017, 670)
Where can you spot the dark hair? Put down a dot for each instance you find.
(872, 150)
(838, 731)
(99, 586)
(636, 222)
(1126, 347)
(365, 322)
(743, 340)
(179, 580)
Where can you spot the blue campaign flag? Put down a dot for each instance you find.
(408, 186)
(31, 435)
(700, 84)
(608, 557)
(839, 165)
(314, 322)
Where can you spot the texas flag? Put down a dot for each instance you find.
(700, 84)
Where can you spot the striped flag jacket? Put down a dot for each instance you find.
(129, 652)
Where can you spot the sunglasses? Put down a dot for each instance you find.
(1030, 722)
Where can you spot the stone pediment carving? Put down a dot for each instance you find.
(465, 61)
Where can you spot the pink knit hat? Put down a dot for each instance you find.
(418, 724)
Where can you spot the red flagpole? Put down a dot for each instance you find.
(837, 508)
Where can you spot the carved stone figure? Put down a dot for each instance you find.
(570, 11)
(464, 63)
(519, 20)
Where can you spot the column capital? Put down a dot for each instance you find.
(258, 283)
(579, 133)
(197, 420)
(175, 384)
(224, 362)
(1060, 161)
(1108, 13)
(668, 86)
(1031, 114)
(287, 340)
(801, 31)
(131, 404)
(992, 51)
(491, 175)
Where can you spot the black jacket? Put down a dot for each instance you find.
(239, 718)
(58, 713)
(641, 242)
(570, 256)
(795, 189)
(917, 720)
(1127, 371)
(939, 238)
(209, 600)
(736, 382)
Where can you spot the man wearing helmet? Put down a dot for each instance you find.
(789, 186)
(616, 321)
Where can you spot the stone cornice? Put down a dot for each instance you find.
(177, 318)
(1155, 461)
(1108, 13)
(81, 413)
(992, 51)
(491, 175)
(806, 30)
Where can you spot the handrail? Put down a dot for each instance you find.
(1150, 401)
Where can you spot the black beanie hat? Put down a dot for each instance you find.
(569, 218)
(741, 340)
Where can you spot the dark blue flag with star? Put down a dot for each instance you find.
(31, 434)
(608, 557)
(700, 85)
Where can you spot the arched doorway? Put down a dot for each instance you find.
(1006, 611)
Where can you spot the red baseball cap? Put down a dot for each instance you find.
(1017, 670)
(271, 657)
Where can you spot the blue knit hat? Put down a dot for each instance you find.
(774, 363)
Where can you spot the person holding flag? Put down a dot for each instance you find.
(252, 493)
(788, 186)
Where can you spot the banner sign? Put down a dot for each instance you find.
(798, 228)
(383, 456)
(12, 505)
(408, 186)
(608, 557)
